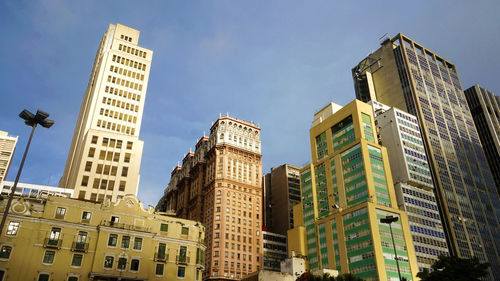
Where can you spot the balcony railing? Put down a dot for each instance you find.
(161, 257)
(52, 243)
(125, 226)
(182, 259)
(79, 246)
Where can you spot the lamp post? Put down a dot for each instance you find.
(389, 220)
(31, 120)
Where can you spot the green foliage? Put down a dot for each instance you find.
(455, 269)
(348, 277)
(326, 277)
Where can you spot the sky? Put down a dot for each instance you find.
(272, 62)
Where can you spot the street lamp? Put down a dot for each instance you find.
(389, 220)
(31, 120)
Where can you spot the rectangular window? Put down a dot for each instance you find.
(85, 182)
(60, 212)
(77, 260)
(43, 277)
(96, 183)
(5, 252)
(129, 145)
(182, 254)
(91, 152)
(137, 243)
(12, 228)
(181, 272)
(164, 227)
(48, 258)
(161, 250)
(122, 186)
(108, 262)
(125, 242)
(112, 240)
(124, 171)
(122, 263)
(102, 155)
(127, 158)
(88, 166)
(55, 233)
(86, 216)
(185, 231)
(134, 265)
(73, 278)
(94, 140)
(159, 269)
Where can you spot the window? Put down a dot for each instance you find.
(94, 140)
(181, 272)
(115, 219)
(137, 243)
(88, 166)
(185, 231)
(54, 236)
(164, 227)
(91, 152)
(161, 250)
(182, 254)
(122, 263)
(159, 269)
(5, 252)
(81, 238)
(48, 258)
(112, 240)
(124, 171)
(125, 242)
(12, 228)
(85, 181)
(127, 158)
(60, 212)
(129, 145)
(86, 216)
(108, 262)
(73, 278)
(43, 277)
(122, 186)
(134, 265)
(77, 260)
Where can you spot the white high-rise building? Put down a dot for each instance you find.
(105, 153)
(7, 147)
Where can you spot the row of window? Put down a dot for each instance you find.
(118, 115)
(124, 83)
(120, 104)
(127, 62)
(107, 142)
(132, 51)
(122, 93)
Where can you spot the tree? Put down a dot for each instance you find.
(348, 277)
(455, 269)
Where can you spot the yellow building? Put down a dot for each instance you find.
(345, 192)
(69, 239)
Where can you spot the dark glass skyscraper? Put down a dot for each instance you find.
(404, 74)
(485, 108)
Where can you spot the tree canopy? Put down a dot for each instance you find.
(455, 269)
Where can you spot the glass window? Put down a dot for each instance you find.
(125, 242)
(137, 243)
(122, 263)
(48, 258)
(164, 227)
(5, 252)
(86, 215)
(108, 262)
(159, 269)
(77, 260)
(43, 277)
(134, 265)
(13, 228)
(182, 253)
(185, 231)
(112, 240)
(181, 271)
(60, 212)
(72, 278)
(161, 250)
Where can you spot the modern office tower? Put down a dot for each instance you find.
(405, 75)
(274, 250)
(105, 153)
(399, 132)
(281, 190)
(60, 238)
(219, 184)
(346, 191)
(7, 148)
(485, 108)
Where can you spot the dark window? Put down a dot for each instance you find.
(43, 277)
(159, 269)
(77, 260)
(5, 252)
(112, 240)
(164, 227)
(134, 265)
(108, 262)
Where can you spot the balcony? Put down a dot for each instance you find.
(52, 243)
(161, 257)
(125, 226)
(79, 247)
(182, 259)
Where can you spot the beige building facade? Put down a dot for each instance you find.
(77, 240)
(219, 184)
(7, 148)
(105, 154)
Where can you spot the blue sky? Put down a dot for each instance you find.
(273, 62)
